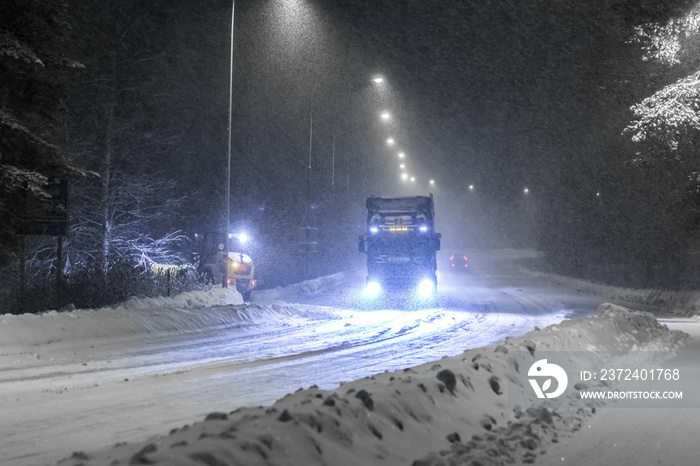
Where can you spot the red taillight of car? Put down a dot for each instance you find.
(230, 281)
(253, 283)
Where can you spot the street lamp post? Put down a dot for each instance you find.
(228, 167)
(308, 245)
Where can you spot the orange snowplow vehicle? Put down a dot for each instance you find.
(209, 263)
(241, 273)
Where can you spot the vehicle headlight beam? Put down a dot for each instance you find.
(426, 287)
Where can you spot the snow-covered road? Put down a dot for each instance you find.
(83, 392)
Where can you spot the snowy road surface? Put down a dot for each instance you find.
(81, 393)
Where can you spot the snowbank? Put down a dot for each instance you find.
(307, 287)
(454, 411)
(680, 303)
(134, 316)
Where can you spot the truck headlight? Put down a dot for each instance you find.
(426, 287)
(373, 288)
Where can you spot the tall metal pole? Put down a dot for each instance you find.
(333, 166)
(308, 171)
(311, 133)
(308, 200)
(59, 271)
(23, 275)
(228, 168)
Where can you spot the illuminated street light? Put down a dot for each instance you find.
(401, 155)
(378, 79)
(471, 187)
(385, 116)
(404, 176)
(413, 179)
(402, 166)
(432, 181)
(390, 141)
(526, 190)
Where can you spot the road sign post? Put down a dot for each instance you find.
(46, 217)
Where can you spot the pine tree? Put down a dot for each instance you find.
(33, 69)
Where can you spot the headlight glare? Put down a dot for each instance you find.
(373, 288)
(426, 287)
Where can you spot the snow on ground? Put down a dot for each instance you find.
(133, 316)
(142, 316)
(34, 345)
(454, 411)
(681, 303)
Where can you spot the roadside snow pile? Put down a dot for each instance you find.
(340, 288)
(455, 411)
(305, 287)
(680, 303)
(191, 311)
(216, 296)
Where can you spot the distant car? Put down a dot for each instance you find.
(459, 262)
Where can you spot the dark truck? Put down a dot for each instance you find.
(401, 245)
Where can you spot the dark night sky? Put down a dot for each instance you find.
(499, 94)
(489, 93)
